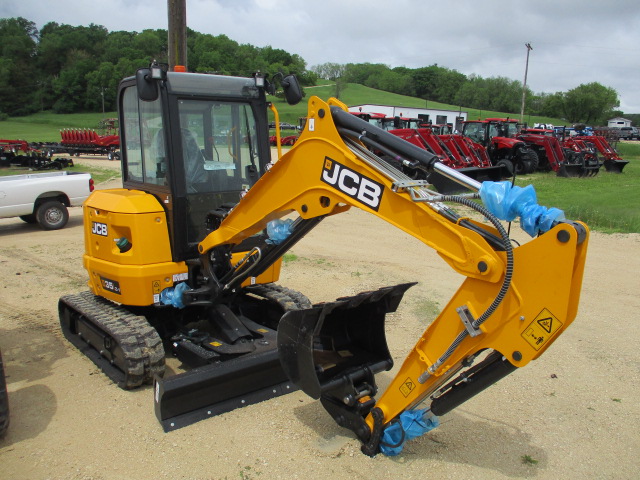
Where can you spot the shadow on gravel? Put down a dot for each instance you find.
(462, 438)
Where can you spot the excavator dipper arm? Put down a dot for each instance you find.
(513, 303)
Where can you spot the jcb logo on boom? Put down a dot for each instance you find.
(352, 183)
(99, 228)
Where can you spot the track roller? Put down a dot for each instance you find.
(123, 345)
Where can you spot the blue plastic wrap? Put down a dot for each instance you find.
(414, 423)
(173, 295)
(508, 202)
(278, 231)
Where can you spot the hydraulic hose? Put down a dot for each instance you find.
(506, 283)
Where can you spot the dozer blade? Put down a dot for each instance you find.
(203, 392)
(615, 166)
(446, 186)
(327, 346)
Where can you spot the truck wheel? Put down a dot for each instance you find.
(110, 156)
(4, 401)
(31, 218)
(52, 215)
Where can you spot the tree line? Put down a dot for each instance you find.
(70, 69)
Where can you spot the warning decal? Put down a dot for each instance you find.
(407, 387)
(543, 327)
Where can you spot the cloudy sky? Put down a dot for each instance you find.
(573, 42)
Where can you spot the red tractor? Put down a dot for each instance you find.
(455, 151)
(587, 138)
(552, 155)
(498, 135)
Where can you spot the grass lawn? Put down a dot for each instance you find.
(608, 202)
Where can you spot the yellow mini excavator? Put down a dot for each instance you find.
(185, 257)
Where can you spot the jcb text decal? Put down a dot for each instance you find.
(99, 228)
(353, 184)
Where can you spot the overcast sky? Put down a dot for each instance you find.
(573, 42)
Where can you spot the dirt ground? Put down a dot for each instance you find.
(572, 414)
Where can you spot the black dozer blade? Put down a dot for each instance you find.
(615, 166)
(353, 328)
(217, 388)
(447, 186)
(322, 345)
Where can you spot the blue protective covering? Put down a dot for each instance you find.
(507, 202)
(278, 231)
(173, 295)
(414, 423)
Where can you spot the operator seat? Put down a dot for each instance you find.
(193, 161)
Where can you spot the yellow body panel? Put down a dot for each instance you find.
(137, 276)
(271, 274)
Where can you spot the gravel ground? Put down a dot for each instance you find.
(572, 414)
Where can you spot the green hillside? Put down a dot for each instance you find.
(356, 94)
(46, 126)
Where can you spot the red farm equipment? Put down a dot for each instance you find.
(612, 161)
(565, 161)
(498, 136)
(78, 141)
(455, 151)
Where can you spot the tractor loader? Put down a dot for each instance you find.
(185, 257)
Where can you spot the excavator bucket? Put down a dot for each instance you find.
(326, 347)
(615, 166)
(446, 186)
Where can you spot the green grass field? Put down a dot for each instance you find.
(356, 94)
(607, 202)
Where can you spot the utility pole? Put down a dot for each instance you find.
(524, 85)
(177, 33)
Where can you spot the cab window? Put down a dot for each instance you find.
(145, 143)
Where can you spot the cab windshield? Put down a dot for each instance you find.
(219, 145)
(219, 156)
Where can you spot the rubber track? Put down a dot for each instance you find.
(4, 401)
(139, 341)
(287, 298)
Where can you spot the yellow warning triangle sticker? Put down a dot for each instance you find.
(546, 323)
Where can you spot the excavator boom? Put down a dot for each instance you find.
(503, 315)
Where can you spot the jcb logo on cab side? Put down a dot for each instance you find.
(99, 228)
(352, 183)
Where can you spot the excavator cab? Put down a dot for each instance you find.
(197, 144)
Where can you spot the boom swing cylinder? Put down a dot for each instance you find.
(333, 351)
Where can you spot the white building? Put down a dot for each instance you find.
(433, 115)
(619, 122)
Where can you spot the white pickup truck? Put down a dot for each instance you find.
(43, 198)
